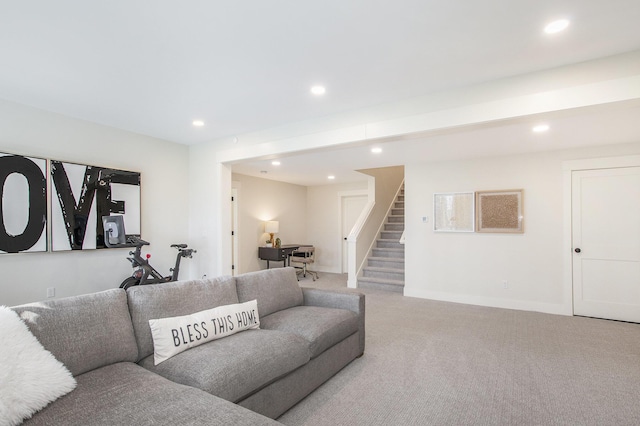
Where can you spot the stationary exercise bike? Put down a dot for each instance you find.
(143, 272)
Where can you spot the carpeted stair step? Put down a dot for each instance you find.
(394, 227)
(391, 235)
(397, 212)
(381, 243)
(392, 274)
(385, 262)
(393, 253)
(395, 218)
(381, 284)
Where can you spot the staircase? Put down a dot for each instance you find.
(385, 265)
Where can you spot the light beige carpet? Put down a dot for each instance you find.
(438, 363)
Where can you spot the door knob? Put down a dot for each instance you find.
(577, 250)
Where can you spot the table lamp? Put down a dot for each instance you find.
(271, 227)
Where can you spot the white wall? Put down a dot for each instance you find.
(260, 200)
(470, 267)
(163, 167)
(324, 217)
(209, 212)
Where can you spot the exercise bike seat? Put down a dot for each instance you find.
(179, 246)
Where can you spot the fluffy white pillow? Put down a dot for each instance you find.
(30, 377)
(177, 334)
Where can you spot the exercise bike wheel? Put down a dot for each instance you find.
(129, 282)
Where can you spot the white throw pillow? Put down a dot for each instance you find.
(177, 334)
(30, 376)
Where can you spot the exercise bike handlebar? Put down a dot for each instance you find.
(136, 241)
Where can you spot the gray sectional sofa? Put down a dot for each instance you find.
(249, 378)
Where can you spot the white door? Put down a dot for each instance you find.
(351, 208)
(606, 243)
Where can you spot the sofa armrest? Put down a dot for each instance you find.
(339, 299)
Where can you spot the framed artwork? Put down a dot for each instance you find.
(453, 212)
(82, 195)
(23, 204)
(499, 211)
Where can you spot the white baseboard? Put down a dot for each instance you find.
(522, 305)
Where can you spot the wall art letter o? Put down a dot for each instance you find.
(37, 203)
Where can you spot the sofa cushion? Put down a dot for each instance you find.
(175, 299)
(320, 327)
(127, 394)
(237, 365)
(274, 289)
(83, 332)
(177, 334)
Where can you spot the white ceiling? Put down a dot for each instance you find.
(153, 66)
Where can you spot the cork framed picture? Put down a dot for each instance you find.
(499, 211)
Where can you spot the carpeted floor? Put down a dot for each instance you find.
(439, 363)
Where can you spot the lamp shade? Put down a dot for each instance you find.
(271, 227)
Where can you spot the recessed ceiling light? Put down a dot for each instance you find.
(376, 150)
(556, 26)
(318, 90)
(198, 123)
(331, 177)
(275, 163)
(540, 128)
